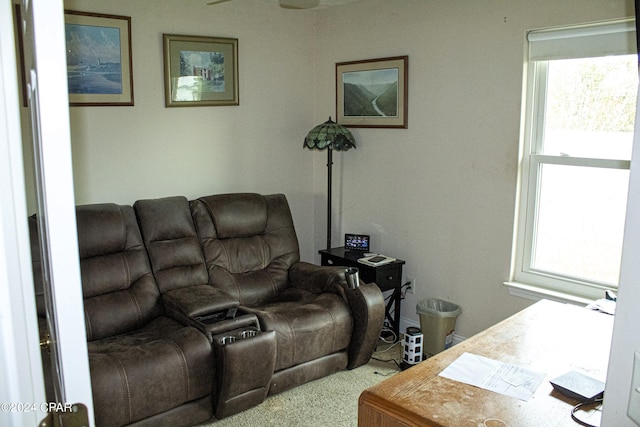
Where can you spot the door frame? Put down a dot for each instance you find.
(19, 335)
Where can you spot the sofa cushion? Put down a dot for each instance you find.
(251, 268)
(148, 371)
(224, 210)
(307, 325)
(171, 240)
(120, 293)
(101, 230)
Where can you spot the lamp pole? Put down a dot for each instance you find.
(329, 164)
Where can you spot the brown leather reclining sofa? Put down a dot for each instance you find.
(203, 308)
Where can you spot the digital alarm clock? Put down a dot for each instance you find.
(356, 242)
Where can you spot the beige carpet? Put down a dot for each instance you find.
(329, 401)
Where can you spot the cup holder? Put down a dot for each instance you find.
(248, 333)
(238, 334)
(228, 339)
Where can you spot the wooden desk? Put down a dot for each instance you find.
(548, 337)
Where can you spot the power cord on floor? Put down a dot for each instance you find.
(388, 335)
(388, 348)
(373, 357)
(387, 374)
(398, 368)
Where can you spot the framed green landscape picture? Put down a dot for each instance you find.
(372, 93)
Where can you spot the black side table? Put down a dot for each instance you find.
(387, 277)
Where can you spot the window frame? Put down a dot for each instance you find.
(525, 280)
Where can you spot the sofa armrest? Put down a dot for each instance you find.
(367, 308)
(318, 279)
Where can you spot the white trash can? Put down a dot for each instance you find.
(437, 322)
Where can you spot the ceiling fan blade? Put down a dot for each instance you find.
(217, 2)
(298, 4)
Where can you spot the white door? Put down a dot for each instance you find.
(20, 372)
(43, 29)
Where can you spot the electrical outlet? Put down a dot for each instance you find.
(633, 410)
(412, 285)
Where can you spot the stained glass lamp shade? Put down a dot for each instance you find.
(330, 136)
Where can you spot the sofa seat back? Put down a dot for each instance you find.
(170, 237)
(249, 244)
(119, 291)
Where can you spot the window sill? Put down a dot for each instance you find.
(536, 293)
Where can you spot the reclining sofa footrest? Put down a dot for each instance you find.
(245, 367)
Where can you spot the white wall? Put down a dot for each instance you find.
(441, 194)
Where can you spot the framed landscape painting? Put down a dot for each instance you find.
(200, 71)
(99, 66)
(372, 93)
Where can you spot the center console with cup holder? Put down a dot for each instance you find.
(245, 358)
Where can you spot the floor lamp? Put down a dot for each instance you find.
(331, 136)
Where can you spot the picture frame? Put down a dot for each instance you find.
(99, 62)
(373, 93)
(200, 71)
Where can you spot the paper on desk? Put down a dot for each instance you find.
(489, 374)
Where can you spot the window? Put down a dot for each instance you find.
(581, 85)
